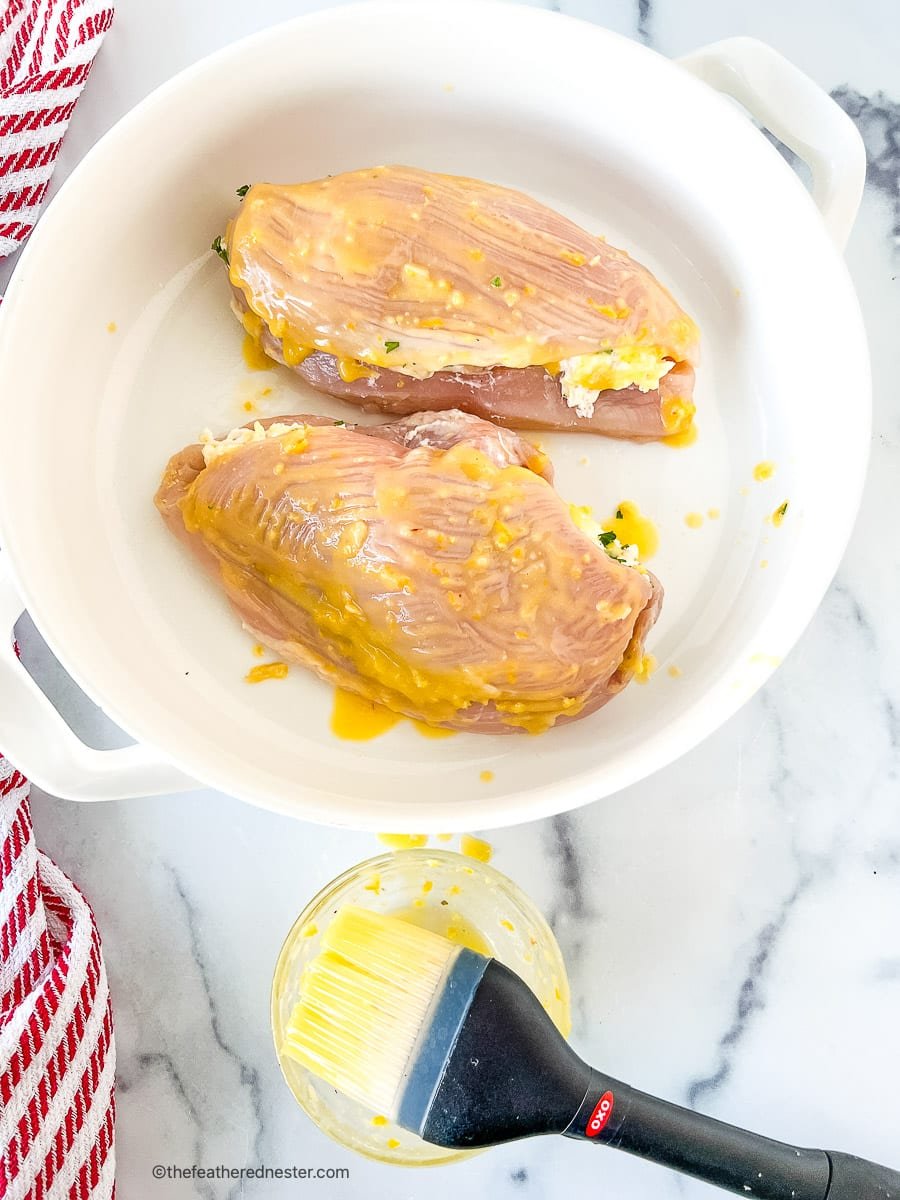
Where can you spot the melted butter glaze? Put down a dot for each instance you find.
(633, 528)
(401, 268)
(452, 586)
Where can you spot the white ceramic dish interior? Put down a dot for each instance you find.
(626, 142)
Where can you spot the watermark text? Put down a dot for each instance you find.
(220, 1171)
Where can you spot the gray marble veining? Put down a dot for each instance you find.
(644, 17)
(750, 1000)
(878, 120)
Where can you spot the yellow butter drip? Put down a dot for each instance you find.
(678, 418)
(356, 719)
(779, 514)
(476, 848)
(254, 356)
(403, 841)
(293, 352)
(633, 528)
(642, 665)
(273, 670)
(350, 369)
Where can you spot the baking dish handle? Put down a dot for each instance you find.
(800, 114)
(34, 737)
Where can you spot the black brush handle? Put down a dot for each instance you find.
(855, 1179)
(506, 1073)
(616, 1115)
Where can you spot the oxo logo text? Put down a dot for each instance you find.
(601, 1114)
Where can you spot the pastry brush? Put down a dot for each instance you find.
(454, 1047)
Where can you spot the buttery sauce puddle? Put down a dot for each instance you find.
(355, 719)
(632, 528)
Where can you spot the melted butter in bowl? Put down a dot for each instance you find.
(460, 898)
(450, 923)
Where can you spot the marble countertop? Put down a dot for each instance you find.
(731, 925)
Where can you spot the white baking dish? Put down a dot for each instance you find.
(634, 146)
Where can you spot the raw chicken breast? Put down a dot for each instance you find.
(397, 288)
(518, 398)
(427, 564)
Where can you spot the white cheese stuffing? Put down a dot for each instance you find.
(626, 554)
(584, 376)
(214, 447)
(623, 554)
(582, 399)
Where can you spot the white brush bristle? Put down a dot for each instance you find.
(363, 1002)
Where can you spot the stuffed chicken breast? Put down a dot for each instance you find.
(398, 289)
(427, 564)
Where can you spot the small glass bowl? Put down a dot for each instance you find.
(453, 895)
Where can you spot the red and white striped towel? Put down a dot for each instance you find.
(57, 1053)
(46, 51)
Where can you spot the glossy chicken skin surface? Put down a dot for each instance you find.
(427, 564)
(401, 289)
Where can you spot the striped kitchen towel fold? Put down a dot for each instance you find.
(57, 1047)
(57, 1052)
(47, 48)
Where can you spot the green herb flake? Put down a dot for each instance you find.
(243, 190)
(219, 246)
(340, 422)
(390, 347)
(781, 511)
(619, 516)
(496, 281)
(607, 537)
